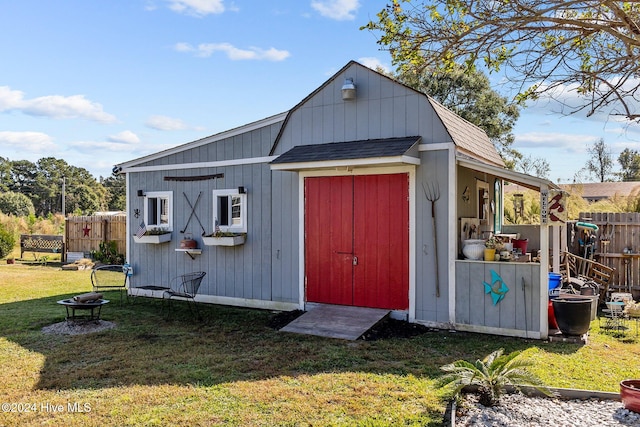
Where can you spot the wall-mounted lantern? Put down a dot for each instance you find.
(348, 90)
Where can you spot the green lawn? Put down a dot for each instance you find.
(235, 369)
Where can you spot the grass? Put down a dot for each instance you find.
(235, 369)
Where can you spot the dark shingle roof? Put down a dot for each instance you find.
(366, 149)
(467, 136)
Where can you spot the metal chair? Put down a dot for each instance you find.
(185, 287)
(109, 278)
(615, 314)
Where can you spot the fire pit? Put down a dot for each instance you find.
(94, 308)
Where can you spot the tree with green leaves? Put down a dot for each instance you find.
(470, 96)
(15, 204)
(116, 191)
(600, 162)
(5, 174)
(630, 162)
(544, 47)
(537, 166)
(42, 183)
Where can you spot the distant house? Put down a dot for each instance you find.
(595, 191)
(361, 195)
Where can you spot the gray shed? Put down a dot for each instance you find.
(328, 203)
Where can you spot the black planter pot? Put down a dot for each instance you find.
(572, 315)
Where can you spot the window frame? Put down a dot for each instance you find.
(241, 226)
(160, 195)
(482, 201)
(499, 200)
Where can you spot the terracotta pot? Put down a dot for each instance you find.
(188, 242)
(630, 394)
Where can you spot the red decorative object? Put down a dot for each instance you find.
(630, 394)
(86, 231)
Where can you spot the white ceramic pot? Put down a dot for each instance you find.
(473, 249)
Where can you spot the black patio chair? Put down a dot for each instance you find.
(109, 278)
(185, 287)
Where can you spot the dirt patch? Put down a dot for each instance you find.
(388, 328)
(392, 328)
(78, 327)
(282, 318)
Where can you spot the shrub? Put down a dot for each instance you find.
(108, 253)
(16, 204)
(491, 375)
(7, 241)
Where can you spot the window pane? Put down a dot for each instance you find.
(236, 209)
(152, 216)
(164, 211)
(223, 210)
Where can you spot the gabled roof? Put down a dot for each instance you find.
(471, 139)
(206, 140)
(467, 137)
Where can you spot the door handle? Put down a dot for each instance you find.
(355, 260)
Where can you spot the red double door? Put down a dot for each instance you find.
(357, 240)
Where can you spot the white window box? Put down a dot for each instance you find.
(224, 241)
(153, 238)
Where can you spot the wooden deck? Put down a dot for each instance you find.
(336, 321)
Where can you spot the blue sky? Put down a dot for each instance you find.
(101, 82)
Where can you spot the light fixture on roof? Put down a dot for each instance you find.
(348, 90)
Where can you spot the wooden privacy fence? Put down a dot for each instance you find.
(85, 233)
(618, 246)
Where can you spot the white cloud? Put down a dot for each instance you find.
(565, 98)
(205, 50)
(53, 106)
(27, 141)
(197, 7)
(93, 145)
(340, 10)
(575, 143)
(125, 137)
(165, 123)
(374, 64)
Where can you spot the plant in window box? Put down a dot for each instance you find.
(153, 235)
(224, 238)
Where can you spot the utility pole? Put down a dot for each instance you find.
(64, 215)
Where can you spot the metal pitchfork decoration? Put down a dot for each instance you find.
(432, 193)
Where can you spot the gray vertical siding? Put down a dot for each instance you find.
(382, 109)
(267, 266)
(433, 170)
(519, 310)
(238, 272)
(285, 250)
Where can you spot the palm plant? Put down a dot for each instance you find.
(491, 375)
